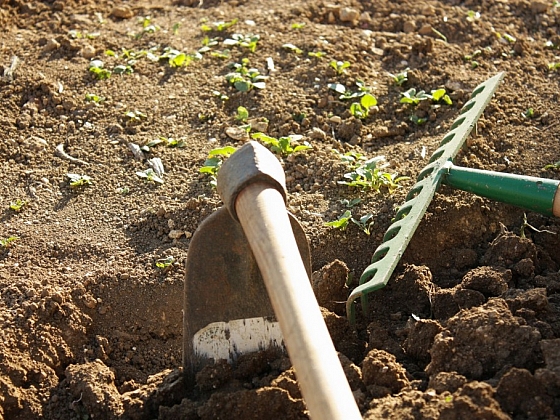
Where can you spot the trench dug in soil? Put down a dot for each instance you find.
(91, 326)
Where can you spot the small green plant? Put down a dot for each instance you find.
(292, 48)
(553, 66)
(441, 95)
(245, 78)
(8, 242)
(555, 165)
(361, 110)
(176, 58)
(219, 26)
(472, 16)
(369, 175)
(418, 120)
(214, 161)
(350, 203)
(96, 99)
(123, 69)
(123, 190)
(283, 145)
(364, 223)
(400, 78)
(297, 25)
(77, 180)
(133, 117)
(222, 96)
(529, 113)
(351, 158)
(346, 94)
(165, 264)
(175, 28)
(413, 96)
(339, 66)
(17, 205)
(96, 67)
(248, 41)
(342, 222)
(169, 141)
(242, 114)
(317, 54)
(207, 44)
(150, 175)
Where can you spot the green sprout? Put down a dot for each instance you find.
(297, 25)
(96, 99)
(529, 113)
(175, 28)
(242, 114)
(413, 97)
(339, 66)
(369, 175)
(77, 180)
(150, 175)
(221, 54)
(472, 16)
(96, 68)
(165, 263)
(207, 44)
(8, 242)
(526, 225)
(214, 161)
(361, 110)
(553, 66)
(350, 203)
(222, 96)
(123, 69)
(351, 158)
(283, 145)
(244, 78)
(176, 58)
(364, 223)
(17, 205)
(134, 116)
(400, 78)
(317, 54)
(218, 26)
(555, 165)
(292, 48)
(248, 41)
(418, 120)
(346, 94)
(342, 222)
(441, 95)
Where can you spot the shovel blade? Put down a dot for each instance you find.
(227, 310)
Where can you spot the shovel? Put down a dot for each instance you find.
(535, 194)
(227, 311)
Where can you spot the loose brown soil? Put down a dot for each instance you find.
(469, 326)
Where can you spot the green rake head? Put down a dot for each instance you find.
(407, 219)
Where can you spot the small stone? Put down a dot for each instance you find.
(237, 133)
(260, 126)
(335, 119)
(426, 30)
(90, 301)
(51, 45)
(188, 234)
(365, 17)
(409, 26)
(175, 234)
(317, 133)
(122, 12)
(331, 18)
(349, 14)
(539, 6)
(88, 52)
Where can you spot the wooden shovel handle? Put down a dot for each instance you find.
(263, 216)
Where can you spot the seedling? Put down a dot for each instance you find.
(218, 26)
(292, 48)
(147, 27)
(244, 79)
(369, 175)
(413, 97)
(526, 225)
(150, 175)
(17, 205)
(529, 113)
(176, 58)
(342, 222)
(96, 68)
(248, 41)
(297, 25)
(221, 54)
(165, 263)
(223, 97)
(207, 44)
(361, 110)
(364, 223)
(8, 242)
(91, 97)
(472, 16)
(555, 165)
(77, 180)
(283, 145)
(135, 116)
(441, 95)
(317, 54)
(339, 66)
(418, 120)
(214, 161)
(553, 66)
(123, 69)
(171, 142)
(242, 114)
(350, 203)
(346, 94)
(400, 78)
(175, 28)
(351, 158)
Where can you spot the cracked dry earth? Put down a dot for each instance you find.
(91, 327)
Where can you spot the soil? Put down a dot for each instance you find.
(91, 327)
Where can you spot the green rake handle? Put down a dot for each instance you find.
(536, 194)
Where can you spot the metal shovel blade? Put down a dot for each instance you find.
(227, 311)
